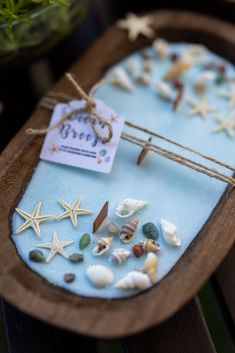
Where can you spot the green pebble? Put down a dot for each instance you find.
(150, 230)
(84, 241)
(37, 256)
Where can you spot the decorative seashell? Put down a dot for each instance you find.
(121, 79)
(170, 233)
(203, 79)
(178, 69)
(148, 65)
(137, 250)
(113, 228)
(194, 53)
(129, 206)
(151, 266)
(102, 246)
(133, 68)
(133, 280)
(144, 78)
(150, 245)
(161, 48)
(127, 231)
(165, 90)
(118, 256)
(99, 275)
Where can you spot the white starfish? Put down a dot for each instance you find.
(56, 247)
(226, 124)
(33, 220)
(201, 108)
(73, 211)
(230, 95)
(136, 25)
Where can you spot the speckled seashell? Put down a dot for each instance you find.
(102, 246)
(177, 70)
(148, 65)
(99, 275)
(113, 228)
(194, 54)
(203, 79)
(165, 90)
(119, 256)
(170, 233)
(150, 245)
(144, 78)
(133, 280)
(161, 48)
(151, 266)
(129, 206)
(121, 79)
(133, 68)
(128, 230)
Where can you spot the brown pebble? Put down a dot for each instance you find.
(69, 277)
(174, 57)
(137, 250)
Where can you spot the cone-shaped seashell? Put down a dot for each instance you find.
(118, 256)
(177, 70)
(150, 245)
(129, 206)
(165, 90)
(127, 231)
(161, 48)
(170, 233)
(151, 266)
(102, 246)
(133, 280)
(99, 275)
(121, 79)
(144, 78)
(203, 79)
(133, 68)
(194, 53)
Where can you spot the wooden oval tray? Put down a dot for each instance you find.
(113, 318)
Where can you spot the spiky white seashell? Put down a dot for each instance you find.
(151, 266)
(170, 233)
(133, 68)
(102, 246)
(118, 256)
(121, 79)
(161, 48)
(133, 280)
(129, 206)
(165, 90)
(194, 54)
(99, 275)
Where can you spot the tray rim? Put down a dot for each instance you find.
(30, 293)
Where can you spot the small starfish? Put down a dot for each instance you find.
(136, 25)
(73, 211)
(54, 149)
(230, 95)
(201, 108)
(32, 220)
(226, 124)
(56, 247)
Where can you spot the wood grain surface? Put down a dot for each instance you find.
(113, 318)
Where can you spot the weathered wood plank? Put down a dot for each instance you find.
(185, 332)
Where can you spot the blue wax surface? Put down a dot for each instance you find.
(174, 192)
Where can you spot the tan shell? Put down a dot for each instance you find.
(102, 246)
(133, 280)
(178, 69)
(150, 245)
(151, 266)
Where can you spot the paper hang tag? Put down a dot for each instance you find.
(75, 144)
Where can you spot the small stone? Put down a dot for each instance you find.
(137, 250)
(37, 256)
(76, 258)
(69, 277)
(174, 57)
(150, 230)
(84, 241)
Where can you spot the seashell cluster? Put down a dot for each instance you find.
(165, 90)
(151, 267)
(100, 276)
(102, 246)
(161, 48)
(121, 79)
(150, 245)
(170, 233)
(128, 230)
(129, 206)
(133, 280)
(177, 70)
(119, 256)
(194, 54)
